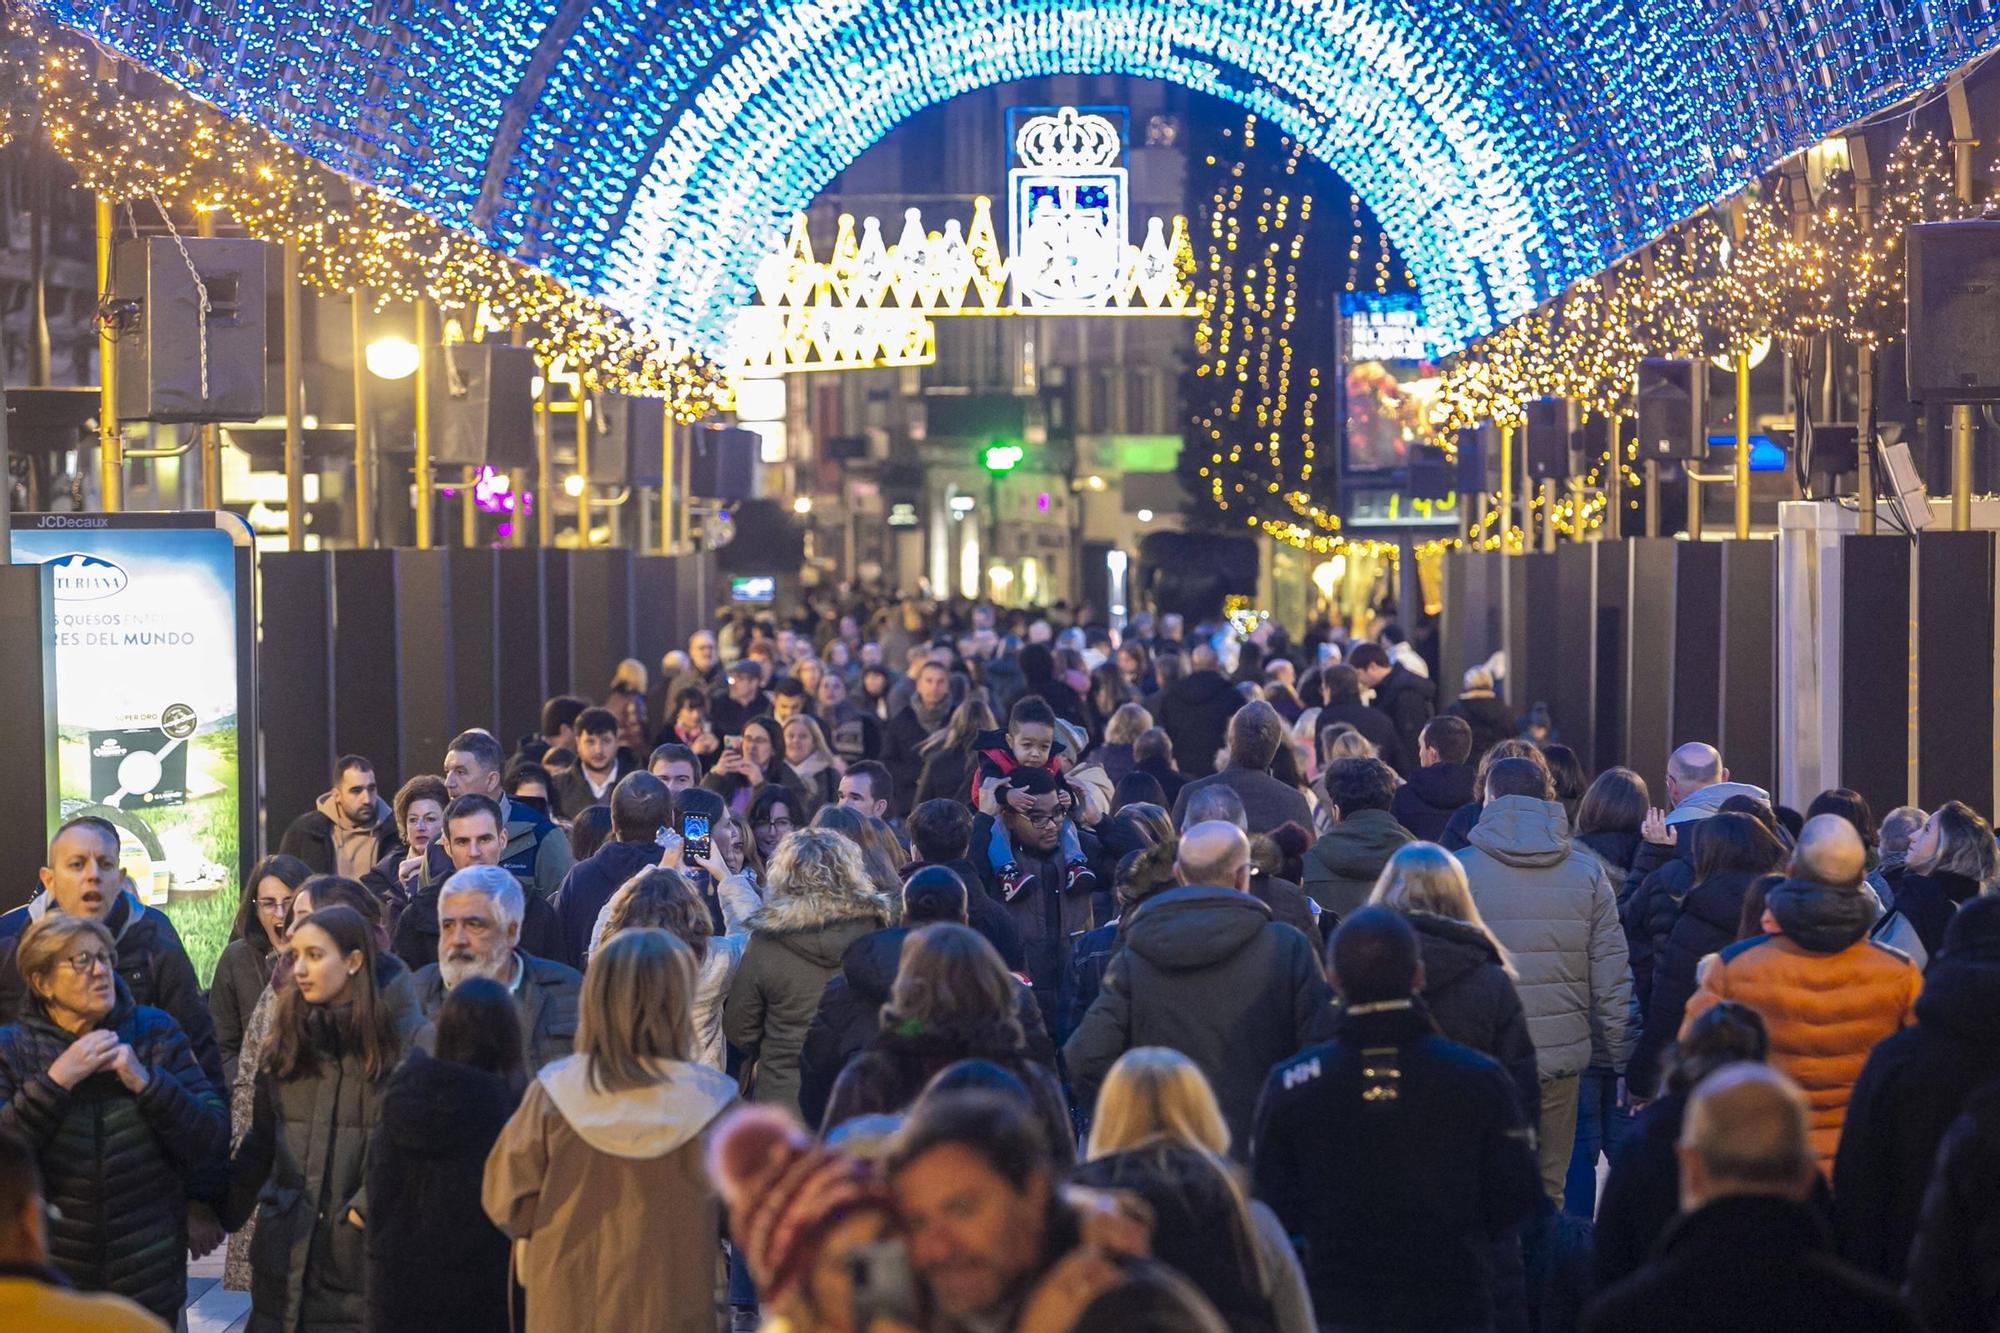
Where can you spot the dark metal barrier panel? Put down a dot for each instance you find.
(28, 665)
(657, 626)
(1749, 670)
(1532, 664)
(391, 661)
(556, 588)
(1608, 665)
(295, 616)
(1875, 669)
(1955, 592)
(1697, 650)
(1649, 639)
(1573, 703)
(521, 638)
(600, 619)
(424, 631)
(474, 601)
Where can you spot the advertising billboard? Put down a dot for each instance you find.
(155, 727)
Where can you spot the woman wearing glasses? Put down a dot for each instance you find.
(109, 1096)
(255, 942)
(773, 814)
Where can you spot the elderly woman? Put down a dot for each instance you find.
(819, 902)
(109, 1096)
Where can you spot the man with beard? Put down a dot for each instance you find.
(348, 829)
(599, 764)
(472, 837)
(479, 934)
(1049, 906)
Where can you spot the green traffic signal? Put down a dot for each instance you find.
(999, 458)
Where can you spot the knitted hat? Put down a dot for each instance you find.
(785, 1194)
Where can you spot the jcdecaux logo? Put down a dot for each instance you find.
(86, 578)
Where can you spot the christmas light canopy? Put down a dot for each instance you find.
(652, 154)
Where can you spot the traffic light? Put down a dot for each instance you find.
(1001, 458)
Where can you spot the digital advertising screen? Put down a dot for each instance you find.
(155, 728)
(1389, 377)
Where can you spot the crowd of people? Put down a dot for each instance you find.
(935, 968)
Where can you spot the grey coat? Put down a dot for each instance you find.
(548, 999)
(1553, 907)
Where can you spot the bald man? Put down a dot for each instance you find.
(1207, 972)
(1826, 991)
(1697, 785)
(1747, 1253)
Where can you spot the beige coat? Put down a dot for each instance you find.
(609, 1193)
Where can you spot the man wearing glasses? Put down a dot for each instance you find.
(83, 879)
(1048, 912)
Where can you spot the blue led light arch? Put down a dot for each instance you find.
(650, 151)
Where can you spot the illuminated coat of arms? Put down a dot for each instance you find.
(1070, 213)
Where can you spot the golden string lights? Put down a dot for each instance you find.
(132, 137)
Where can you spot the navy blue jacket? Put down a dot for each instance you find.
(588, 886)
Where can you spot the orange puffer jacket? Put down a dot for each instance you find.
(1824, 1013)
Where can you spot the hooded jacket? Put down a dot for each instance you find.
(796, 944)
(1343, 865)
(850, 1016)
(1431, 797)
(1914, 1085)
(1706, 924)
(1551, 905)
(609, 1191)
(1826, 992)
(1689, 809)
(1473, 1001)
(331, 844)
(1410, 701)
(588, 887)
(1206, 972)
(1195, 714)
(150, 960)
(116, 1165)
(435, 1263)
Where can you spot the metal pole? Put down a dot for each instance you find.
(423, 389)
(1864, 450)
(1962, 144)
(1614, 484)
(1549, 516)
(669, 446)
(582, 461)
(684, 539)
(1742, 446)
(211, 434)
(1653, 497)
(468, 511)
(364, 481)
(1576, 504)
(110, 444)
(545, 511)
(1694, 505)
(1506, 484)
(295, 475)
(1528, 491)
(517, 478)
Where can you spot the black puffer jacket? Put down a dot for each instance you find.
(1617, 848)
(1649, 912)
(151, 962)
(241, 975)
(1195, 714)
(1955, 1261)
(116, 1166)
(1208, 973)
(850, 1016)
(1473, 1001)
(1200, 1228)
(1914, 1085)
(1490, 719)
(435, 1263)
(1705, 924)
(1426, 803)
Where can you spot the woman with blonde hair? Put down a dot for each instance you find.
(882, 865)
(953, 999)
(1468, 976)
(808, 755)
(598, 1176)
(1158, 1133)
(663, 899)
(819, 901)
(627, 702)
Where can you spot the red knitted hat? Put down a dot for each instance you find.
(785, 1193)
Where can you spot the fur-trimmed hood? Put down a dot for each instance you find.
(795, 920)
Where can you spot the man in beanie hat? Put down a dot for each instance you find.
(798, 1212)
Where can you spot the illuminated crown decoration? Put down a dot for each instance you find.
(1068, 139)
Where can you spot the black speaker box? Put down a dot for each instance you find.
(482, 400)
(1673, 408)
(722, 463)
(1432, 476)
(160, 342)
(1478, 460)
(626, 434)
(1548, 436)
(1952, 328)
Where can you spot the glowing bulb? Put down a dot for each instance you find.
(392, 358)
(802, 505)
(1145, 516)
(573, 485)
